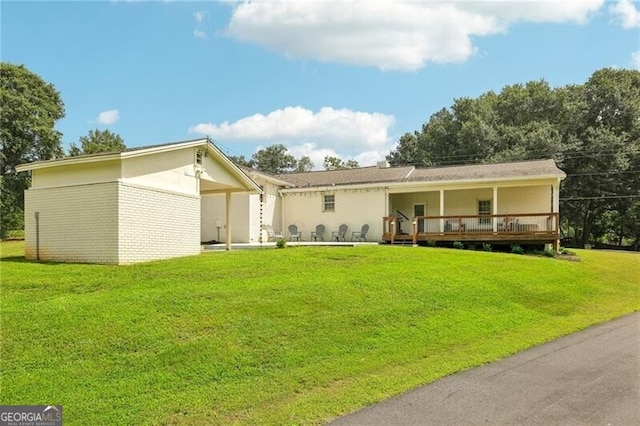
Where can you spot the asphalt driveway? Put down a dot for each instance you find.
(588, 378)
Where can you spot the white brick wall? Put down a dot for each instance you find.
(77, 223)
(112, 223)
(156, 224)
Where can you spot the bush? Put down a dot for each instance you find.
(281, 243)
(458, 245)
(431, 243)
(516, 249)
(486, 247)
(549, 252)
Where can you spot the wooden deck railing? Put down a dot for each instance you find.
(533, 226)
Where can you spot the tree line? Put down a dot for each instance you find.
(591, 130)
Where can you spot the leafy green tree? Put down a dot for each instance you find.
(240, 160)
(97, 141)
(274, 160)
(336, 163)
(304, 164)
(591, 130)
(30, 109)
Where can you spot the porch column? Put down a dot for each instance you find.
(495, 208)
(228, 219)
(555, 197)
(555, 201)
(441, 210)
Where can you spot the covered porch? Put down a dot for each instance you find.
(506, 213)
(534, 228)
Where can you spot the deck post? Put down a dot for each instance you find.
(415, 232)
(441, 210)
(495, 209)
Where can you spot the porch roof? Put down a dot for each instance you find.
(520, 169)
(380, 175)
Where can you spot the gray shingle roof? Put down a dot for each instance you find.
(364, 175)
(489, 171)
(347, 177)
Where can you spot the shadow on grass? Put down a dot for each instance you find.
(22, 259)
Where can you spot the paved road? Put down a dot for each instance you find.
(588, 378)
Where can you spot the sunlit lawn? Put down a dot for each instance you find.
(293, 336)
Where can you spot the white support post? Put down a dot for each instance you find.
(228, 220)
(495, 208)
(441, 210)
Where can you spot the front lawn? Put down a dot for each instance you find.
(293, 336)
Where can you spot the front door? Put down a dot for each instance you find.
(420, 210)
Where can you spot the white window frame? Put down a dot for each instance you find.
(329, 203)
(484, 211)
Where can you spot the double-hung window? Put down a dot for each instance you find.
(484, 209)
(328, 203)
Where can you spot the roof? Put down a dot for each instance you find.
(145, 150)
(520, 169)
(372, 175)
(360, 175)
(114, 155)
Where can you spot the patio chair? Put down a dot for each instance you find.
(271, 234)
(318, 233)
(360, 235)
(340, 233)
(294, 234)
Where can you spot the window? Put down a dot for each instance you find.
(484, 208)
(199, 155)
(328, 203)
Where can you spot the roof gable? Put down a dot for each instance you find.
(217, 172)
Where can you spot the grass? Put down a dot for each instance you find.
(293, 336)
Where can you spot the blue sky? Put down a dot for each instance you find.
(323, 78)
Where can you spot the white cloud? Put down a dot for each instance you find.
(108, 117)
(626, 13)
(199, 16)
(390, 34)
(635, 60)
(338, 132)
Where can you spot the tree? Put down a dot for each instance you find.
(239, 160)
(274, 160)
(336, 163)
(30, 109)
(591, 130)
(304, 165)
(97, 141)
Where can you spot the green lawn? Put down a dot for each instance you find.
(293, 336)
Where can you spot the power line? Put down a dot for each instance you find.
(603, 197)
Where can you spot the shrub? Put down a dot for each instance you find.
(549, 252)
(431, 243)
(486, 247)
(458, 245)
(281, 243)
(517, 249)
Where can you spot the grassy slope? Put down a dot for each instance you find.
(282, 336)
